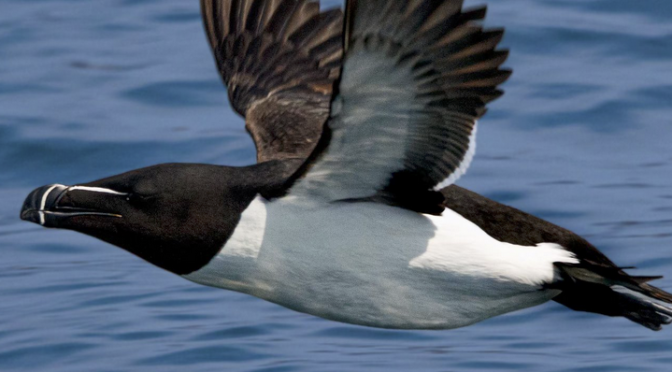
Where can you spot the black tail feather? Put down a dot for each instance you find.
(642, 310)
(612, 292)
(657, 293)
(645, 279)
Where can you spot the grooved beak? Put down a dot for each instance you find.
(42, 205)
(39, 201)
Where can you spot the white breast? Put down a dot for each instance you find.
(381, 266)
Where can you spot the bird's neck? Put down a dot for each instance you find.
(235, 266)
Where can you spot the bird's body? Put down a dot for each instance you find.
(362, 121)
(378, 265)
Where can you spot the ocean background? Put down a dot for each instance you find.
(94, 88)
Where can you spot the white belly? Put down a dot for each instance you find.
(380, 266)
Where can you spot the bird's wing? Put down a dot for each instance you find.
(278, 59)
(416, 77)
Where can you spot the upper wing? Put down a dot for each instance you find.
(279, 59)
(416, 76)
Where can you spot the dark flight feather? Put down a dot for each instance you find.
(415, 79)
(278, 59)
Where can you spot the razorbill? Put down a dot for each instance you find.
(362, 123)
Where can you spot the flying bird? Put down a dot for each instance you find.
(363, 119)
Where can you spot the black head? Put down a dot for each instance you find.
(176, 216)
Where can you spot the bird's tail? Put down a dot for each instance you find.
(610, 291)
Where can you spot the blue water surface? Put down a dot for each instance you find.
(93, 88)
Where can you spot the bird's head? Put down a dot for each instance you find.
(176, 216)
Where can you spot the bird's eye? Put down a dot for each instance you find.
(135, 198)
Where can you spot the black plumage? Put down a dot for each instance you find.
(587, 286)
(279, 60)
